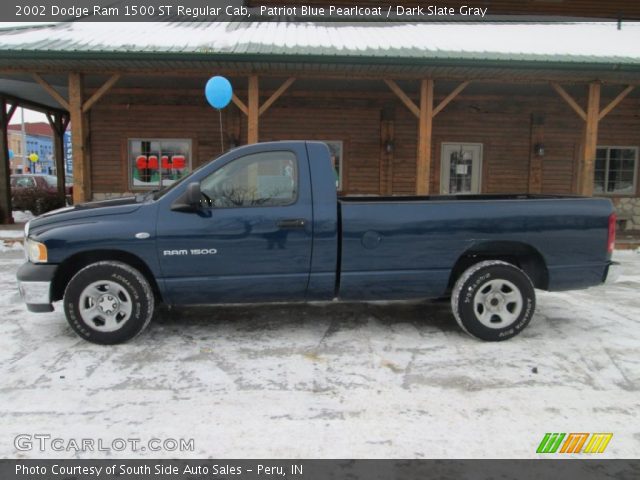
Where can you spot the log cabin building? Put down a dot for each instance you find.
(406, 108)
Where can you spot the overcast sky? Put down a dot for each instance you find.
(29, 116)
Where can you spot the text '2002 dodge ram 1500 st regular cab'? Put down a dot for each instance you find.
(263, 223)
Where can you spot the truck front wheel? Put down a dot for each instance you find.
(493, 300)
(108, 302)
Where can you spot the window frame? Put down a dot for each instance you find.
(160, 186)
(296, 179)
(634, 186)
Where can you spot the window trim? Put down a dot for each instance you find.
(132, 186)
(297, 180)
(634, 189)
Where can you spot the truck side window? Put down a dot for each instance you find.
(262, 179)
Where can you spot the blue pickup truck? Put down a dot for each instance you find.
(263, 223)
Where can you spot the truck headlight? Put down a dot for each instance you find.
(36, 251)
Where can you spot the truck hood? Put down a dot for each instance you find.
(77, 213)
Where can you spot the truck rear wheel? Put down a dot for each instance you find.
(108, 302)
(493, 300)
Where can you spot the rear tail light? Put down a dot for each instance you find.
(611, 239)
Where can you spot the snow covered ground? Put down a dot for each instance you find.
(20, 216)
(329, 381)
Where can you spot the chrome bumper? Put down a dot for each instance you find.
(613, 273)
(37, 296)
(34, 283)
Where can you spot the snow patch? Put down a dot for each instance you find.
(11, 234)
(10, 246)
(22, 217)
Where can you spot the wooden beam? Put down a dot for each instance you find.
(240, 104)
(283, 88)
(97, 95)
(52, 123)
(423, 166)
(38, 107)
(79, 147)
(51, 91)
(569, 99)
(5, 167)
(614, 103)
(450, 97)
(199, 69)
(253, 110)
(56, 122)
(12, 110)
(590, 140)
(404, 98)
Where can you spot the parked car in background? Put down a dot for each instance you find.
(68, 187)
(37, 193)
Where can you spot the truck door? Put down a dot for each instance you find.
(252, 238)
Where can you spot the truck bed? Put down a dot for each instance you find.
(395, 247)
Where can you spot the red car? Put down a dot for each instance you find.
(37, 192)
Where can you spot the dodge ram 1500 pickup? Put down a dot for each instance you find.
(263, 223)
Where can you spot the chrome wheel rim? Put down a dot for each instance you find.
(105, 306)
(497, 303)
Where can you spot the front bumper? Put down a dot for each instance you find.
(34, 283)
(612, 273)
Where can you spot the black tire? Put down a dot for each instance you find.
(493, 300)
(120, 286)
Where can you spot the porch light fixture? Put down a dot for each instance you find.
(538, 149)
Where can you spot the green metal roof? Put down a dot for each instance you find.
(569, 46)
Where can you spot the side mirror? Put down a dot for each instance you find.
(189, 201)
(193, 194)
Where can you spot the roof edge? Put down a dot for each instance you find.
(623, 64)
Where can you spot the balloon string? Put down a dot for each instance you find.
(221, 135)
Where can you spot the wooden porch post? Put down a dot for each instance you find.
(585, 185)
(59, 124)
(425, 114)
(79, 147)
(591, 117)
(253, 110)
(5, 166)
(425, 126)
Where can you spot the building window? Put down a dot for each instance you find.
(335, 150)
(156, 163)
(615, 170)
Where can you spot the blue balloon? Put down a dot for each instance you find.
(218, 92)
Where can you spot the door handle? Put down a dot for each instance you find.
(292, 223)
